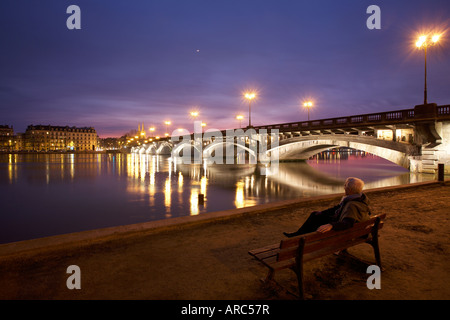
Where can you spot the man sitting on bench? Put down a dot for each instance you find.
(354, 207)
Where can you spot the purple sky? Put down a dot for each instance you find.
(137, 61)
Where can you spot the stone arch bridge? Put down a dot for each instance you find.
(417, 139)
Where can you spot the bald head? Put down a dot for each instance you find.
(353, 186)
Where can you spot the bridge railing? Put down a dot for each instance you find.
(380, 118)
(443, 110)
(355, 121)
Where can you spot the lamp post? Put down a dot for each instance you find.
(152, 129)
(308, 105)
(167, 123)
(423, 43)
(250, 96)
(194, 114)
(240, 117)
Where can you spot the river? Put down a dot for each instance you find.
(50, 194)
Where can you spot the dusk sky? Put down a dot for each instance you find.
(150, 61)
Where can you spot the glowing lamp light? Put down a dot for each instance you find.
(421, 41)
(424, 41)
(435, 38)
(250, 95)
(308, 105)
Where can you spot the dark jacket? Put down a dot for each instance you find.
(351, 209)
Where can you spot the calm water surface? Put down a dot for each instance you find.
(50, 194)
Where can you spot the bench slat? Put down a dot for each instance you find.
(267, 254)
(256, 252)
(274, 264)
(346, 237)
(331, 249)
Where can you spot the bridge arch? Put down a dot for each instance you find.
(305, 147)
(179, 148)
(164, 148)
(207, 152)
(151, 149)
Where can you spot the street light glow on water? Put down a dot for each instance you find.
(51, 194)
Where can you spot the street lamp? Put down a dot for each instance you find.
(308, 105)
(250, 96)
(167, 123)
(240, 117)
(423, 43)
(194, 114)
(152, 129)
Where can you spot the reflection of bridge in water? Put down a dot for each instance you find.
(175, 188)
(417, 139)
(291, 177)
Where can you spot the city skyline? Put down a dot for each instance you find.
(155, 61)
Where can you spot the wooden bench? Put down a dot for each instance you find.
(293, 252)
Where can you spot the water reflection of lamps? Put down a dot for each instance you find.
(203, 184)
(239, 201)
(167, 196)
(194, 202)
(180, 182)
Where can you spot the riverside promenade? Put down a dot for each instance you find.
(205, 257)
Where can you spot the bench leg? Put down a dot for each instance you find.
(299, 272)
(374, 243)
(298, 269)
(376, 250)
(269, 277)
